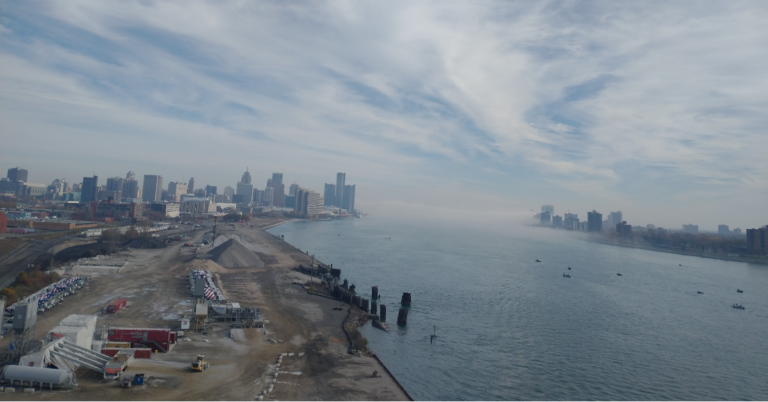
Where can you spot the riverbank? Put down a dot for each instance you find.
(756, 259)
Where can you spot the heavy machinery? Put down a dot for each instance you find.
(200, 364)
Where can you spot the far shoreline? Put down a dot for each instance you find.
(671, 251)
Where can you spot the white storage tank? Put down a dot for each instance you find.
(36, 376)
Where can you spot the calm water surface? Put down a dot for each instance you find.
(511, 328)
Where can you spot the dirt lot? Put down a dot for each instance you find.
(154, 282)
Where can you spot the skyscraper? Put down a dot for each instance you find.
(130, 175)
(278, 197)
(89, 189)
(548, 208)
(131, 188)
(340, 179)
(246, 177)
(152, 188)
(329, 195)
(17, 174)
(308, 203)
(594, 221)
(348, 202)
(191, 186)
(292, 189)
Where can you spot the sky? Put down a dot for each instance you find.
(444, 108)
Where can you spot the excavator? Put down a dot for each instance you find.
(200, 364)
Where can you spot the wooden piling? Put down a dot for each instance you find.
(364, 305)
(374, 308)
(375, 293)
(383, 312)
(402, 316)
(406, 300)
(356, 301)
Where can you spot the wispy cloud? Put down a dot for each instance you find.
(622, 99)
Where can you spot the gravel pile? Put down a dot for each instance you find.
(233, 254)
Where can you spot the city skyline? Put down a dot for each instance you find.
(653, 108)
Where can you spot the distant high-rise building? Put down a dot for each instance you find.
(152, 188)
(548, 208)
(348, 202)
(211, 190)
(246, 179)
(269, 197)
(340, 179)
(229, 192)
(690, 228)
(723, 230)
(191, 186)
(131, 189)
(757, 240)
(277, 178)
(292, 189)
(89, 191)
(614, 218)
(176, 190)
(571, 221)
(594, 221)
(17, 174)
(130, 175)
(329, 198)
(245, 191)
(115, 184)
(557, 221)
(737, 231)
(545, 218)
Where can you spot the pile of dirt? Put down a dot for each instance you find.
(145, 243)
(233, 254)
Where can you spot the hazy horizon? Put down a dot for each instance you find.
(433, 109)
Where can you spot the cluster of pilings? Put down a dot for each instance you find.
(346, 293)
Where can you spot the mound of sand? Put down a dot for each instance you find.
(233, 254)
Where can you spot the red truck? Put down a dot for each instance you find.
(116, 306)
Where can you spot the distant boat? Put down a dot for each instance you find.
(700, 292)
(739, 291)
(618, 274)
(538, 261)
(566, 276)
(738, 306)
(569, 268)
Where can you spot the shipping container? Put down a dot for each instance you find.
(118, 345)
(116, 306)
(158, 339)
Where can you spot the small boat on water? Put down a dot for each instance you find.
(699, 292)
(569, 268)
(538, 261)
(618, 274)
(739, 291)
(380, 325)
(566, 276)
(738, 306)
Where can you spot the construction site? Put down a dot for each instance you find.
(227, 318)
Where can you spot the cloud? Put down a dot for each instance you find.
(644, 97)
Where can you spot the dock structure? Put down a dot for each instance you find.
(375, 293)
(406, 300)
(402, 316)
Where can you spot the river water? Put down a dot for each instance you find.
(510, 328)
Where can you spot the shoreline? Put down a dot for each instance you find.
(672, 251)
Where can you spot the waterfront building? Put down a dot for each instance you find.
(545, 218)
(340, 179)
(571, 221)
(548, 208)
(348, 200)
(17, 174)
(152, 188)
(623, 229)
(329, 195)
(691, 228)
(757, 240)
(89, 191)
(309, 204)
(557, 221)
(594, 221)
(292, 189)
(614, 218)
